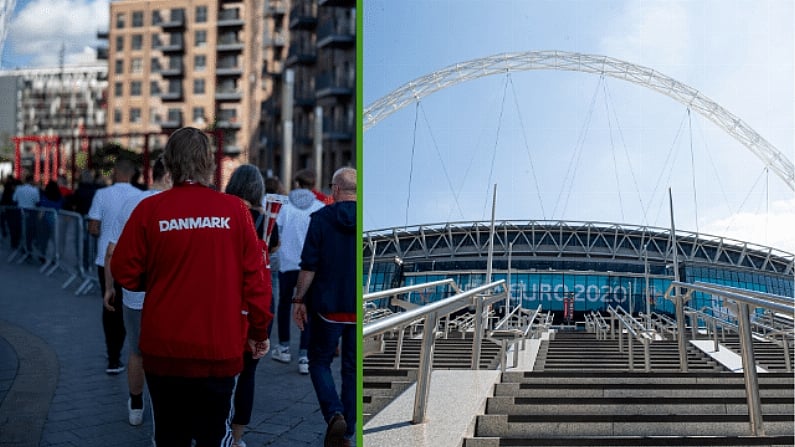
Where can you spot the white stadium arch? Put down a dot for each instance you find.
(587, 63)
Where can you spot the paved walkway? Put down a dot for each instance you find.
(54, 390)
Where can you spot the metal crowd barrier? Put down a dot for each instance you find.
(58, 239)
(430, 313)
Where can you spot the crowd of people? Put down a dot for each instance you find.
(192, 277)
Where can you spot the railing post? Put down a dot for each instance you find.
(680, 330)
(749, 372)
(399, 347)
(424, 371)
(787, 359)
(477, 337)
(631, 351)
(646, 359)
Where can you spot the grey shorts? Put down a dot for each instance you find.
(132, 324)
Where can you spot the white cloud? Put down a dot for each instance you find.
(44, 26)
(773, 229)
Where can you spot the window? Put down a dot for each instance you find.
(155, 66)
(119, 69)
(201, 38)
(135, 115)
(201, 14)
(137, 19)
(135, 88)
(154, 117)
(175, 86)
(174, 115)
(137, 41)
(157, 42)
(199, 62)
(198, 86)
(156, 18)
(198, 114)
(117, 115)
(120, 20)
(119, 43)
(154, 88)
(137, 65)
(118, 89)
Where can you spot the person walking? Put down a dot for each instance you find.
(293, 221)
(326, 297)
(133, 302)
(104, 209)
(246, 183)
(195, 253)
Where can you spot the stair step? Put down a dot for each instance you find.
(626, 425)
(634, 441)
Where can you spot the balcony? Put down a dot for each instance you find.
(330, 85)
(228, 94)
(275, 8)
(172, 71)
(337, 35)
(173, 121)
(337, 130)
(227, 119)
(274, 40)
(171, 95)
(304, 98)
(175, 21)
(303, 16)
(229, 44)
(338, 3)
(301, 56)
(228, 70)
(175, 45)
(229, 17)
(102, 35)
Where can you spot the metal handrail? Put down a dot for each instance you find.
(397, 291)
(627, 321)
(430, 313)
(744, 300)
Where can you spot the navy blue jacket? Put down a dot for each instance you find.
(330, 251)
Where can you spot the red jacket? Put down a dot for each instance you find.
(196, 254)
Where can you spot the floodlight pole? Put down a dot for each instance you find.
(680, 311)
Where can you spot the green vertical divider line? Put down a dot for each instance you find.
(359, 223)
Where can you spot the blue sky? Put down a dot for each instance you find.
(38, 29)
(636, 142)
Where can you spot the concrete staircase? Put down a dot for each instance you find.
(768, 355)
(587, 397)
(564, 352)
(382, 382)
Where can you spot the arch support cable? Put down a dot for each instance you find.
(586, 63)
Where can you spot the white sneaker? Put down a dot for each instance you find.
(281, 354)
(135, 416)
(303, 365)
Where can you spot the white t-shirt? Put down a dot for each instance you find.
(133, 300)
(104, 207)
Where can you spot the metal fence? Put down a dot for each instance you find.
(56, 239)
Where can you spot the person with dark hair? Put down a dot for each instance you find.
(326, 297)
(246, 182)
(101, 216)
(10, 222)
(52, 197)
(133, 301)
(195, 253)
(80, 200)
(27, 196)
